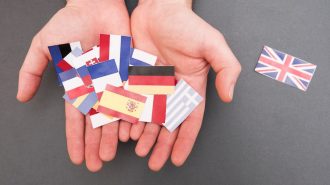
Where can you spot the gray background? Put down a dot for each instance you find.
(270, 134)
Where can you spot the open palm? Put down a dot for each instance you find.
(80, 20)
(173, 32)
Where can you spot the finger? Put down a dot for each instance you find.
(124, 130)
(187, 135)
(162, 149)
(223, 62)
(31, 71)
(147, 139)
(136, 130)
(109, 141)
(92, 147)
(75, 134)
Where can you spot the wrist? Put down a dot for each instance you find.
(187, 3)
(93, 3)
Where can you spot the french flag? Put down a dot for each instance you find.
(116, 47)
(58, 52)
(73, 84)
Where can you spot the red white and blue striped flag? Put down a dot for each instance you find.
(141, 58)
(116, 47)
(285, 68)
(73, 84)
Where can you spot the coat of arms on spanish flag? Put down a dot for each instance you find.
(120, 103)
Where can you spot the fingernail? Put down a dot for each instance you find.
(231, 91)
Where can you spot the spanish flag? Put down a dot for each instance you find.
(151, 79)
(119, 103)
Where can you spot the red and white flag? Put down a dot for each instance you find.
(154, 109)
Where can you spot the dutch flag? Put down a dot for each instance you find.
(141, 58)
(73, 84)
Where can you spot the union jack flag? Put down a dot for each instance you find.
(285, 68)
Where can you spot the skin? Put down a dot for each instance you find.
(79, 20)
(168, 29)
(173, 32)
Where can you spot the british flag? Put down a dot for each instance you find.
(285, 68)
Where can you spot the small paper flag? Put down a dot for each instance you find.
(154, 109)
(151, 79)
(180, 104)
(285, 68)
(141, 58)
(122, 104)
(73, 85)
(116, 47)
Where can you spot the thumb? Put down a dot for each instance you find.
(224, 63)
(31, 71)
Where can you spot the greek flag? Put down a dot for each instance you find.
(180, 104)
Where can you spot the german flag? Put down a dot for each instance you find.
(119, 103)
(151, 79)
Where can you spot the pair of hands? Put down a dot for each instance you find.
(168, 29)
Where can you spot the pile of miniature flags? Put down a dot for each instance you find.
(113, 81)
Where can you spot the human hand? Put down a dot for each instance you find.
(173, 32)
(79, 20)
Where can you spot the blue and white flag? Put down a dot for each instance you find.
(180, 104)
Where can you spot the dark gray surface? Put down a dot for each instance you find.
(270, 134)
